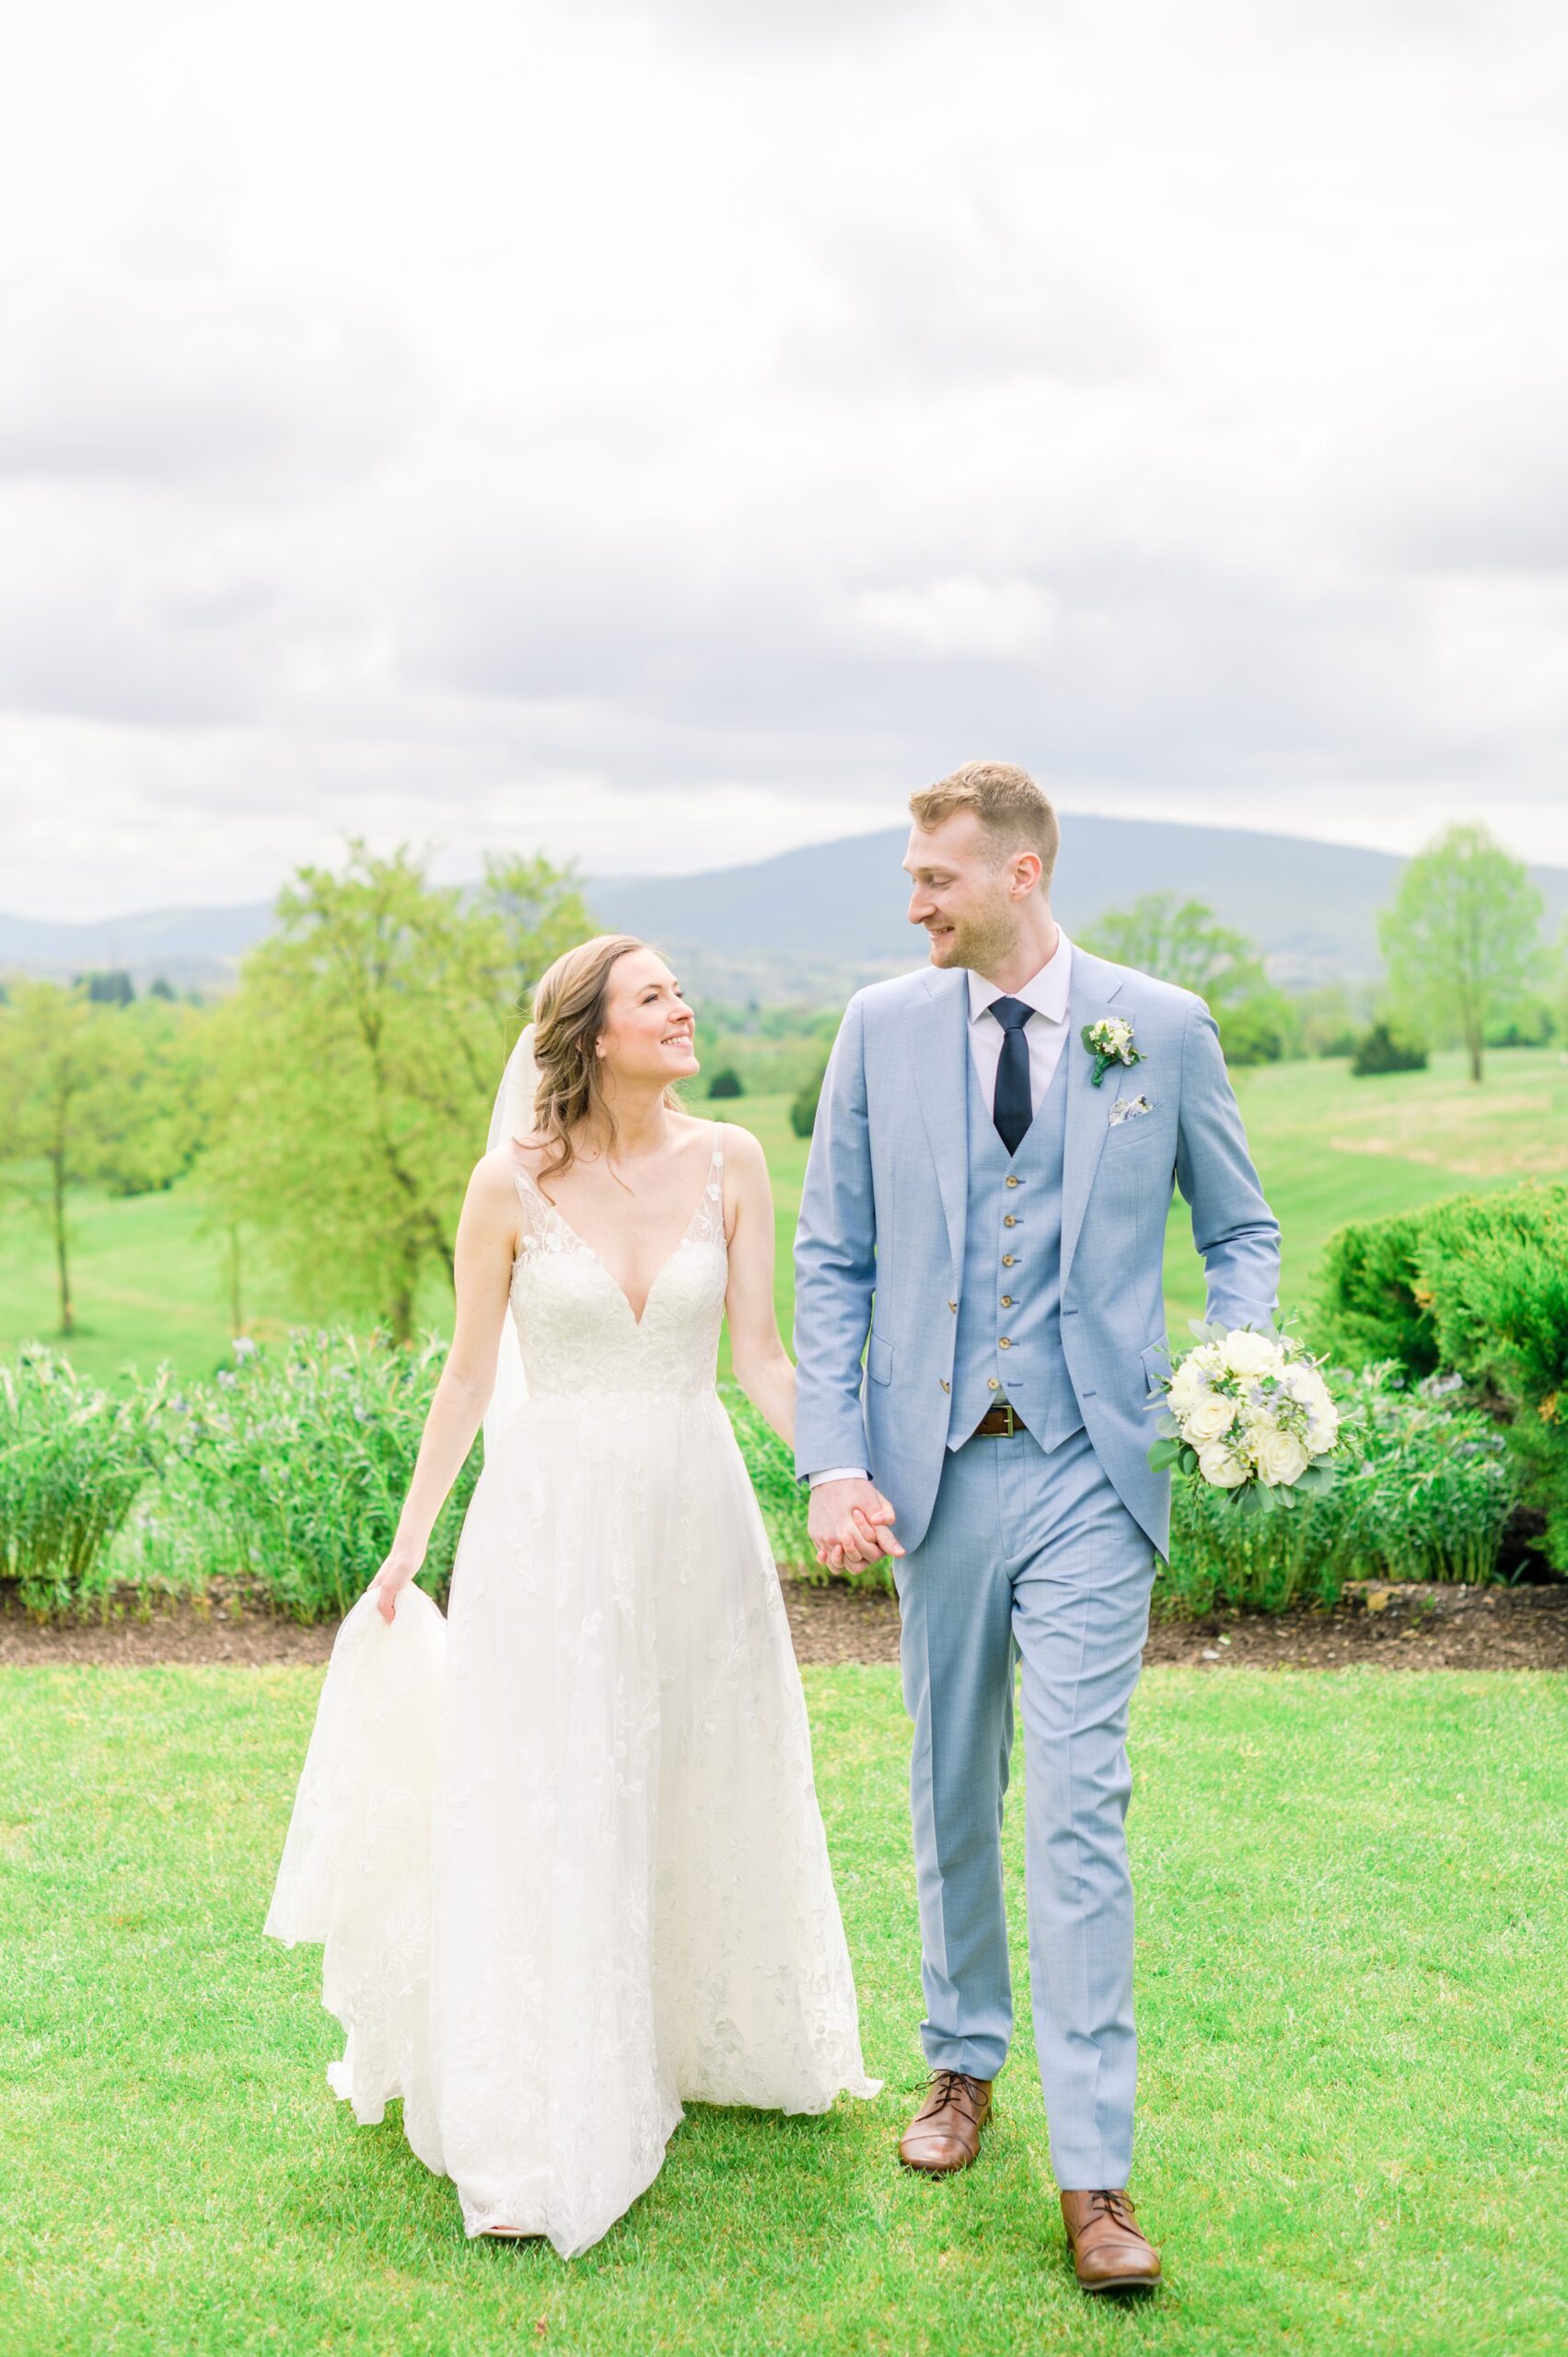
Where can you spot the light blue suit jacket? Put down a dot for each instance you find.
(879, 1250)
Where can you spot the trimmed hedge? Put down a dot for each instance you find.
(1475, 1287)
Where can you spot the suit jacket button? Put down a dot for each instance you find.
(943, 1382)
(992, 1383)
(1008, 1221)
(952, 1304)
(1004, 1343)
(1011, 1180)
(1006, 1301)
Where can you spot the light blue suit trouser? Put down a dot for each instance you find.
(1034, 1557)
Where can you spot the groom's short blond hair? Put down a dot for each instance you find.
(1013, 812)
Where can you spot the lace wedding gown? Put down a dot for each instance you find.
(562, 1848)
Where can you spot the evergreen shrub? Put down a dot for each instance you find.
(803, 1111)
(1385, 1050)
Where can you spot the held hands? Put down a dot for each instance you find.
(394, 1575)
(850, 1524)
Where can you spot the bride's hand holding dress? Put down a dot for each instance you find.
(483, 1263)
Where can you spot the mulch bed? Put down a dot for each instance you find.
(1375, 1626)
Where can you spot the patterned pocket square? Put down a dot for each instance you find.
(1127, 1108)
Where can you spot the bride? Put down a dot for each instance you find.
(562, 1846)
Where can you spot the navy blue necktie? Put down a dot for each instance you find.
(1013, 1108)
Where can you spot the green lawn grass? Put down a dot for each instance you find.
(1329, 1148)
(1352, 1925)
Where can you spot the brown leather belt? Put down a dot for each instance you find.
(999, 1422)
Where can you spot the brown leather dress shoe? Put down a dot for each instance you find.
(943, 2135)
(1110, 2251)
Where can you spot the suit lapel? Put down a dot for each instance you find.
(937, 1036)
(1094, 992)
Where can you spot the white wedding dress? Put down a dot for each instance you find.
(562, 1848)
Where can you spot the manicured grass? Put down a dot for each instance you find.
(1352, 1926)
(149, 1285)
(1332, 1148)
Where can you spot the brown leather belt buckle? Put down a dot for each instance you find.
(1000, 1422)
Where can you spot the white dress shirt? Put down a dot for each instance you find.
(1048, 992)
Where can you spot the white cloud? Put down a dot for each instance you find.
(667, 432)
(198, 384)
(998, 621)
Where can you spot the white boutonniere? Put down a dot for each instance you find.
(1110, 1041)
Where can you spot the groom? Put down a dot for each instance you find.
(988, 1224)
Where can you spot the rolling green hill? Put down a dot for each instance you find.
(1329, 1148)
(815, 921)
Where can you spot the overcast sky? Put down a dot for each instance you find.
(661, 431)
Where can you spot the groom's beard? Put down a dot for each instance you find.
(977, 943)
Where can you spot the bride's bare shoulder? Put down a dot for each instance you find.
(495, 1179)
(742, 1149)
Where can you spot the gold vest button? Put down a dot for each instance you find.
(992, 1383)
(1011, 1180)
(1004, 1344)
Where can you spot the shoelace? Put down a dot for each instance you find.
(1114, 2206)
(952, 2087)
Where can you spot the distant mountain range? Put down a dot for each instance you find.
(816, 921)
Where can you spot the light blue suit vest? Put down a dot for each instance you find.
(1012, 1348)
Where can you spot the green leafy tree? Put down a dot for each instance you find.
(66, 1073)
(1262, 1028)
(1182, 942)
(1330, 1021)
(355, 1068)
(540, 909)
(1461, 938)
(162, 1119)
(113, 987)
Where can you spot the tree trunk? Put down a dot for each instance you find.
(236, 1306)
(1475, 1049)
(62, 1259)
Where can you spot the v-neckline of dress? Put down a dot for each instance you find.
(596, 1255)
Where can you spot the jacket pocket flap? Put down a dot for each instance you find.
(879, 1359)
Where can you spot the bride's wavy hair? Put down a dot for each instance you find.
(569, 1002)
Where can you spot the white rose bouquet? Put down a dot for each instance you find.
(1249, 1413)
